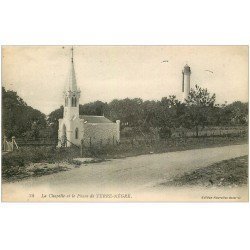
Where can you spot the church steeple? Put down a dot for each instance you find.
(71, 93)
(72, 54)
(72, 85)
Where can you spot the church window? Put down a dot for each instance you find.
(66, 102)
(73, 101)
(76, 133)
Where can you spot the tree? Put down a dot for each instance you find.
(128, 111)
(164, 116)
(169, 115)
(17, 116)
(149, 114)
(199, 108)
(93, 108)
(53, 123)
(237, 113)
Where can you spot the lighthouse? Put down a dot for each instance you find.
(186, 72)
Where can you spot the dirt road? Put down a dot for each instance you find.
(139, 177)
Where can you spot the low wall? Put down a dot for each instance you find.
(101, 133)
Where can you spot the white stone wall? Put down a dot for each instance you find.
(101, 133)
(96, 133)
(71, 126)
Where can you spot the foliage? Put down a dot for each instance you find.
(26, 155)
(53, 122)
(170, 113)
(93, 108)
(233, 172)
(18, 117)
(128, 111)
(199, 97)
(137, 116)
(199, 107)
(14, 164)
(236, 113)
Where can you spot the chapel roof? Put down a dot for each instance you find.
(95, 119)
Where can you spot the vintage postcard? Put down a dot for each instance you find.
(124, 123)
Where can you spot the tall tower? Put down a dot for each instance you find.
(71, 94)
(186, 72)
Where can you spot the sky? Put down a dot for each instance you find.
(39, 73)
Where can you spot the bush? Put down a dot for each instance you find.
(165, 132)
(14, 164)
(26, 155)
(13, 171)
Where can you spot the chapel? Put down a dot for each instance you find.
(73, 127)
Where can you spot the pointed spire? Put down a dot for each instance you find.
(72, 54)
(72, 86)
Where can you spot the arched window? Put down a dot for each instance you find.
(73, 101)
(76, 133)
(66, 102)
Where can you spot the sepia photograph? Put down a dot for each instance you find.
(125, 123)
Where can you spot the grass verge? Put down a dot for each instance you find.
(163, 146)
(228, 173)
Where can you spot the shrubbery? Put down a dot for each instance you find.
(26, 155)
(14, 164)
